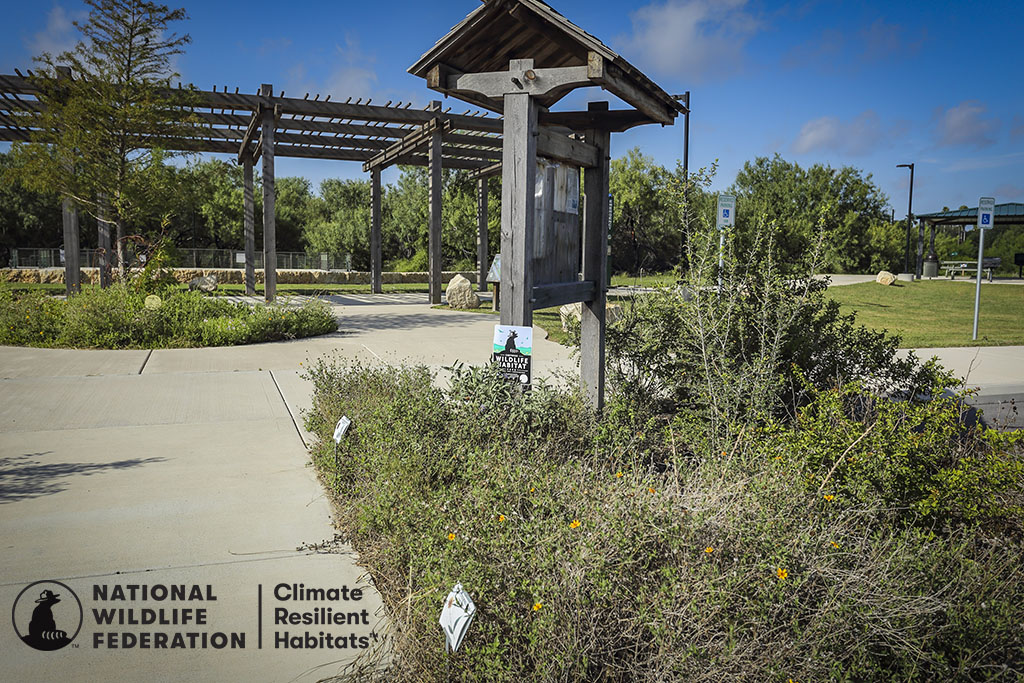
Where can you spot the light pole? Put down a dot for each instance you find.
(910, 219)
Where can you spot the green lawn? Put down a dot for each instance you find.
(547, 319)
(648, 280)
(937, 313)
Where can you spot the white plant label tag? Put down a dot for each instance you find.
(343, 424)
(456, 616)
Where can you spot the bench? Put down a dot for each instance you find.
(969, 267)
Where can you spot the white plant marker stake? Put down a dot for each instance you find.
(456, 616)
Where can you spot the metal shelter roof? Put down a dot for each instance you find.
(1009, 213)
(502, 30)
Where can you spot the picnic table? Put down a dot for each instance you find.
(966, 267)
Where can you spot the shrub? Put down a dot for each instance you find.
(117, 317)
(29, 318)
(622, 551)
(755, 346)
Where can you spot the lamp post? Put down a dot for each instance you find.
(910, 219)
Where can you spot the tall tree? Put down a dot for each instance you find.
(847, 204)
(106, 127)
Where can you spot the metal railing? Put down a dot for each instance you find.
(187, 258)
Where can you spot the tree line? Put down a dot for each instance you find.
(199, 205)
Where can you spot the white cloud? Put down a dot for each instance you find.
(354, 74)
(965, 124)
(980, 163)
(1017, 128)
(862, 135)
(691, 39)
(1010, 193)
(60, 34)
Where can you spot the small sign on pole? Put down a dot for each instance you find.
(726, 211)
(513, 351)
(726, 219)
(456, 616)
(986, 219)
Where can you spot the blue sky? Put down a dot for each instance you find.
(867, 84)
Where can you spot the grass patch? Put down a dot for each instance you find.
(122, 317)
(648, 280)
(937, 313)
(548, 319)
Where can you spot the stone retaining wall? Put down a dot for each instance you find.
(237, 276)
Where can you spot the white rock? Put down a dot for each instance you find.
(568, 312)
(207, 283)
(885, 278)
(460, 293)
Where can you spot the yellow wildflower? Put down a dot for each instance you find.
(618, 474)
(451, 537)
(834, 544)
(829, 498)
(781, 573)
(574, 524)
(537, 606)
(709, 550)
(651, 489)
(501, 518)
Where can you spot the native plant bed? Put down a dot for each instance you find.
(867, 539)
(771, 493)
(125, 317)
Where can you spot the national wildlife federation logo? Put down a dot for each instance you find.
(47, 615)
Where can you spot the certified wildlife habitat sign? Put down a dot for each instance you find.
(513, 350)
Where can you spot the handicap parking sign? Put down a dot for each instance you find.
(725, 213)
(986, 218)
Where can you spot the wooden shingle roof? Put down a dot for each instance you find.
(502, 30)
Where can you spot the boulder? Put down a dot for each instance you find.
(207, 283)
(574, 312)
(460, 293)
(885, 278)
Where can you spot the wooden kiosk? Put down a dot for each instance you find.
(519, 58)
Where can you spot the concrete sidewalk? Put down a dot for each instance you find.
(997, 372)
(188, 467)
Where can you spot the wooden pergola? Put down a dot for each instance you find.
(519, 58)
(263, 126)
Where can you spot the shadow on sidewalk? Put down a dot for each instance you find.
(23, 477)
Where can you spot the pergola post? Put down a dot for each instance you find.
(481, 233)
(72, 269)
(249, 226)
(518, 187)
(375, 249)
(434, 181)
(269, 225)
(595, 249)
(103, 239)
